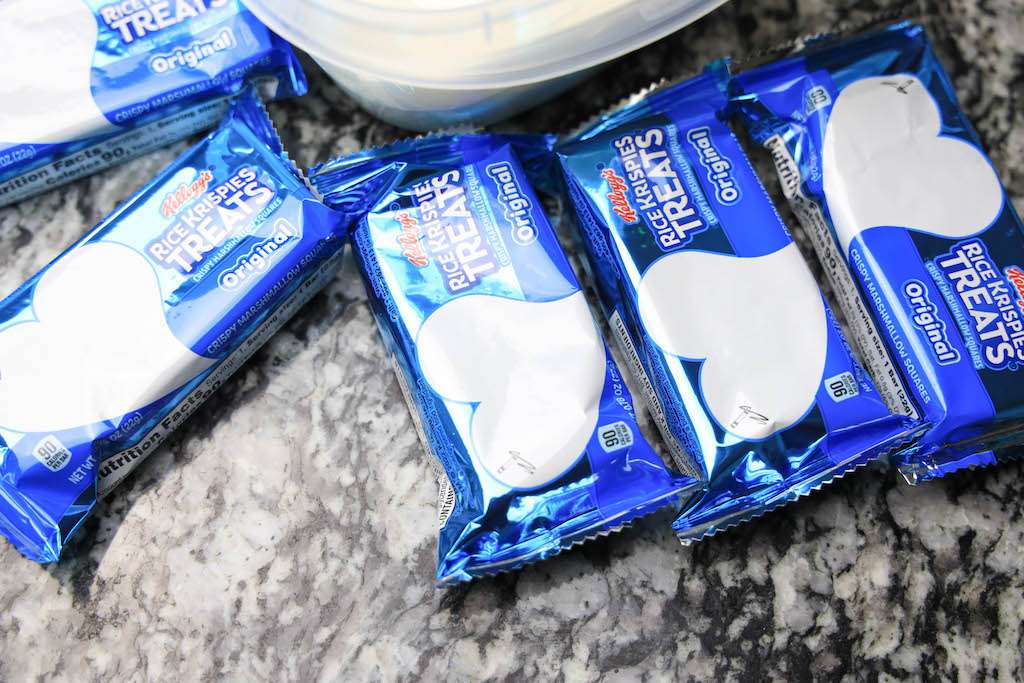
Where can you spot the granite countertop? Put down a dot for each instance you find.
(287, 531)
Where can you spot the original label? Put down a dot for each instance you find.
(929, 325)
(193, 56)
(260, 257)
(517, 206)
(717, 166)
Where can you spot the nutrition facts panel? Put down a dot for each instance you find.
(864, 332)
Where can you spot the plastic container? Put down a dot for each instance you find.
(427, 64)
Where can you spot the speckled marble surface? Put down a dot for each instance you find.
(287, 532)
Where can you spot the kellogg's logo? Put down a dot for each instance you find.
(409, 239)
(1016, 277)
(618, 197)
(186, 192)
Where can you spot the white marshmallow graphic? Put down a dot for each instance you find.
(535, 369)
(45, 86)
(99, 348)
(759, 324)
(884, 163)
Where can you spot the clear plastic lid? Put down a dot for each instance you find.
(474, 43)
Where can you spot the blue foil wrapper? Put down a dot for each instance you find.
(87, 84)
(914, 229)
(507, 376)
(111, 346)
(746, 370)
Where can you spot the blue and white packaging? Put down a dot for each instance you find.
(86, 84)
(111, 346)
(509, 381)
(746, 371)
(913, 227)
